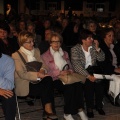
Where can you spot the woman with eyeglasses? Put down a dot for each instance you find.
(84, 56)
(55, 59)
(23, 85)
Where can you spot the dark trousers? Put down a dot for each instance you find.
(73, 96)
(9, 107)
(93, 92)
(106, 84)
(44, 90)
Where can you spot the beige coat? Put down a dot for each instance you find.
(22, 77)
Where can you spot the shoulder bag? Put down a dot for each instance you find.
(33, 66)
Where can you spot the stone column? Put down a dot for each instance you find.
(62, 7)
(117, 11)
(1, 7)
(42, 5)
(21, 6)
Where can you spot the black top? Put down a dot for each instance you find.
(107, 63)
(117, 51)
(9, 48)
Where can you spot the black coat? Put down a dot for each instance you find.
(107, 63)
(117, 51)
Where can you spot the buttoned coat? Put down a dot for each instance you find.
(78, 58)
(22, 77)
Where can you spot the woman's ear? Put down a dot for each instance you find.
(83, 41)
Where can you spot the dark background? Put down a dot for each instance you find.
(14, 4)
(74, 4)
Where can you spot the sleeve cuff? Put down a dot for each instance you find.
(39, 79)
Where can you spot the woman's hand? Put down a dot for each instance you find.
(41, 74)
(75, 29)
(6, 93)
(91, 78)
(42, 71)
(96, 44)
(117, 70)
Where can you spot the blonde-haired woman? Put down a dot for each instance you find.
(23, 78)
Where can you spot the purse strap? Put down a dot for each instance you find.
(67, 65)
(21, 57)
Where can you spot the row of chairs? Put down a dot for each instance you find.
(31, 101)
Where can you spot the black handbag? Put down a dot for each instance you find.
(33, 66)
(95, 69)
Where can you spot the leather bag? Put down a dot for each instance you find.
(71, 78)
(33, 66)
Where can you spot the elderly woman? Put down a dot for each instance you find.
(111, 64)
(23, 78)
(55, 58)
(86, 53)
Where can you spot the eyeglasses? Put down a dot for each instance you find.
(55, 42)
(30, 42)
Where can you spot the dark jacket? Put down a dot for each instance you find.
(117, 51)
(107, 63)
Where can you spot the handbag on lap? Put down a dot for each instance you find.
(72, 77)
(33, 66)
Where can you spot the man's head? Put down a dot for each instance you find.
(48, 33)
(47, 23)
(4, 30)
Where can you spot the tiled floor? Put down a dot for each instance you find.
(112, 112)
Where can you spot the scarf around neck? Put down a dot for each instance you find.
(58, 58)
(28, 53)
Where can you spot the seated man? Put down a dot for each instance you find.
(7, 96)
